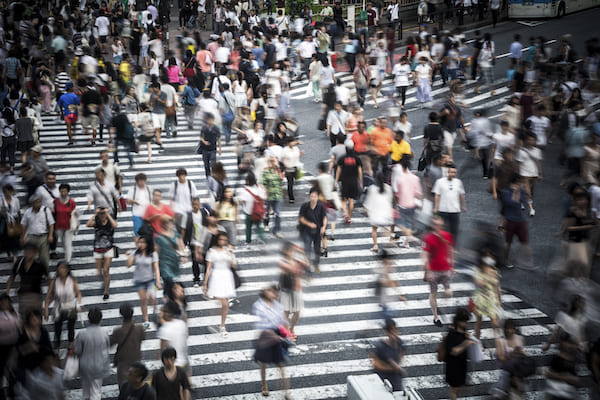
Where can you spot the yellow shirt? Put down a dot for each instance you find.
(397, 149)
(125, 70)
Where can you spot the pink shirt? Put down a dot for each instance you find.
(407, 188)
(173, 74)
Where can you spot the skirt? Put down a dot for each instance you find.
(291, 301)
(424, 90)
(269, 347)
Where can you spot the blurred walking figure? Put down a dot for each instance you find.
(128, 338)
(387, 356)
(291, 266)
(509, 352)
(313, 220)
(455, 345)
(438, 255)
(386, 288)
(486, 299)
(64, 292)
(91, 346)
(270, 345)
(378, 205)
(219, 281)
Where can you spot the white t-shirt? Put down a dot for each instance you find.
(222, 55)
(449, 192)
(528, 157)
(280, 51)
(102, 23)
(141, 195)
(342, 93)
(540, 126)
(180, 192)
(423, 71)
(401, 73)
(502, 141)
(175, 332)
(327, 75)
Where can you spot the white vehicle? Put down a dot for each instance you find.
(547, 8)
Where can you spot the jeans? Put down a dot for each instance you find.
(227, 130)
(362, 94)
(9, 145)
(351, 60)
(290, 176)
(274, 205)
(170, 125)
(312, 245)
(259, 228)
(209, 157)
(190, 113)
(128, 144)
(402, 93)
(58, 323)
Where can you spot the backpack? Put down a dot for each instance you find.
(441, 350)
(258, 208)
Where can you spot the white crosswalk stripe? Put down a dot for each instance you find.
(341, 319)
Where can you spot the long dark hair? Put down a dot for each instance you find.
(380, 181)
(149, 246)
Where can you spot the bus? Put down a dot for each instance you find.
(547, 8)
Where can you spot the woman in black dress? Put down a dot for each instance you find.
(457, 343)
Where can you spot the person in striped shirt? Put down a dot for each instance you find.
(60, 81)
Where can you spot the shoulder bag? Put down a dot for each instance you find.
(116, 356)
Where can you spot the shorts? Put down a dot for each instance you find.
(147, 286)
(439, 278)
(291, 301)
(25, 146)
(90, 121)
(519, 228)
(103, 38)
(107, 254)
(137, 224)
(144, 51)
(406, 217)
(71, 118)
(449, 138)
(158, 120)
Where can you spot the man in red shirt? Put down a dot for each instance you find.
(157, 212)
(438, 255)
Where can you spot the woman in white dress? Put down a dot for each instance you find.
(219, 282)
(240, 89)
(423, 81)
(379, 207)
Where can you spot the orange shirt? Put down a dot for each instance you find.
(361, 142)
(381, 139)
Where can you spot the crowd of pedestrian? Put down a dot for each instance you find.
(110, 68)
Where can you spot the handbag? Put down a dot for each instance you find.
(13, 229)
(322, 125)
(74, 221)
(116, 252)
(422, 162)
(441, 350)
(286, 281)
(236, 278)
(71, 370)
(123, 203)
(475, 351)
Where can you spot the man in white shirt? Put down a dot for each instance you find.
(336, 123)
(112, 173)
(305, 50)
(281, 49)
(48, 191)
(181, 192)
(282, 23)
(253, 20)
(540, 125)
(342, 94)
(174, 333)
(102, 23)
(394, 11)
(273, 149)
(38, 228)
(449, 200)
(170, 128)
(138, 197)
(193, 227)
(529, 158)
(222, 53)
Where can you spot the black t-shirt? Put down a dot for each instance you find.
(91, 101)
(449, 120)
(269, 54)
(349, 168)
(121, 124)
(28, 357)
(433, 132)
(167, 389)
(314, 215)
(31, 279)
(211, 135)
(143, 393)
(519, 79)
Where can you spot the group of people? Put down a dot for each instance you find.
(54, 60)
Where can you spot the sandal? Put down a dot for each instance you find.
(374, 249)
(265, 389)
(224, 332)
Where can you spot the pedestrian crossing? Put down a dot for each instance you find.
(341, 320)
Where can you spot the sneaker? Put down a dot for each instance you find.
(510, 266)
(438, 323)
(532, 212)
(105, 297)
(196, 285)
(146, 325)
(266, 228)
(278, 235)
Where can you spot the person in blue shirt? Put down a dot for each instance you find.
(190, 93)
(514, 201)
(69, 103)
